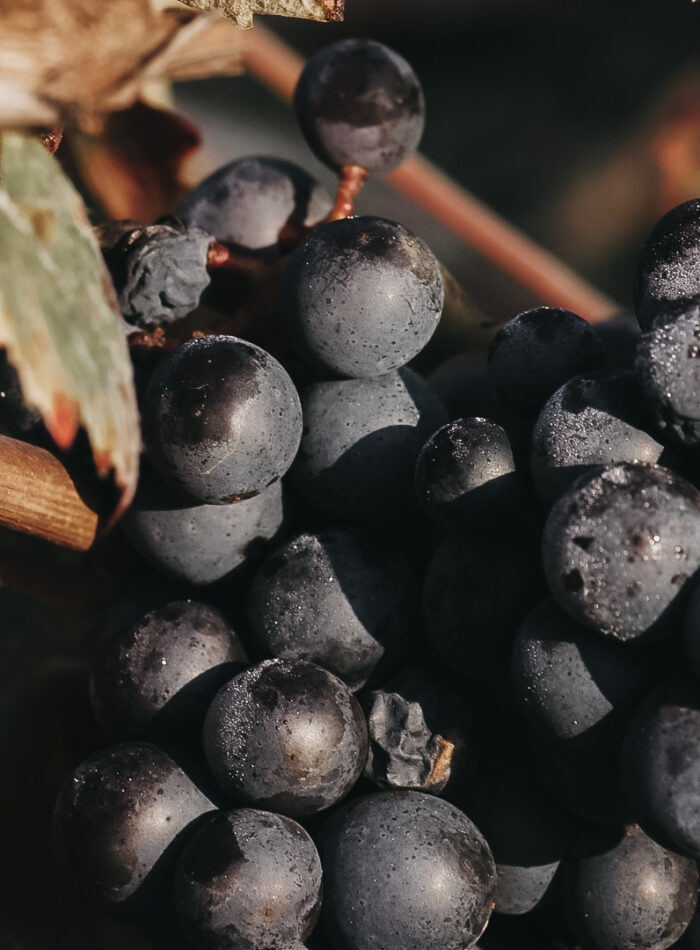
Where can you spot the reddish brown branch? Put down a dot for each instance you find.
(278, 66)
(38, 497)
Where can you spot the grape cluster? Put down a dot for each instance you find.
(419, 686)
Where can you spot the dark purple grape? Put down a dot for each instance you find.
(252, 202)
(287, 736)
(405, 870)
(668, 368)
(361, 297)
(360, 442)
(221, 419)
(527, 832)
(668, 272)
(619, 547)
(661, 764)
(594, 419)
(118, 819)
(159, 272)
(623, 890)
(537, 352)
(360, 103)
(573, 686)
(476, 591)
(248, 879)
(200, 544)
(465, 475)
(343, 599)
(162, 671)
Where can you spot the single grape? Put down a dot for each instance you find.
(118, 817)
(527, 832)
(668, 272)
(404, 869)
(360, 103)
(361, 297)
(537, 352)
(619, 547)
(360, 442)
(251, 203)
(343, 599)
(248, 879)
(668, 369)
(476, 591)
(286, 735)
(573, 686)
(221, 419)
(622, 890)
(661, 764)
(162, 670)
(465, 475)
(200, 544)
(594, 419)
(159, 272)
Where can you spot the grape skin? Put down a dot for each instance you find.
(201, 544)
(249, 203)
(221, 419)
(361, 297)
(360, 103)
(360, 442)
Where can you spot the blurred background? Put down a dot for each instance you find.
(577, 121)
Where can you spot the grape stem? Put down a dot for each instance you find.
(552, 282)
(351, 179)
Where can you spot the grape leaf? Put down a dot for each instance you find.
(68, 62)
(59, 318)
(241, 11)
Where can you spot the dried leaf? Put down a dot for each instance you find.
(241, 11)
(135, 167)
(67, 62)
(58, 315)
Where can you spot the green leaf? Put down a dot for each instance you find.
(59, 318)
(241, 11)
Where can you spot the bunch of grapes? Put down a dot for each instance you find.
(441, 658)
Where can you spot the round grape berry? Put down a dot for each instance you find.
(343, 599)
(118, 816)
(163, 669)
(360, 103)
(405, 869)
(361, 297)
(286, 735)
(221, 419)
(619, 547)
(251, 203)
(248, 879)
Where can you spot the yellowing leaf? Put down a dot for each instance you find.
(241, 11)
(58, 315)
